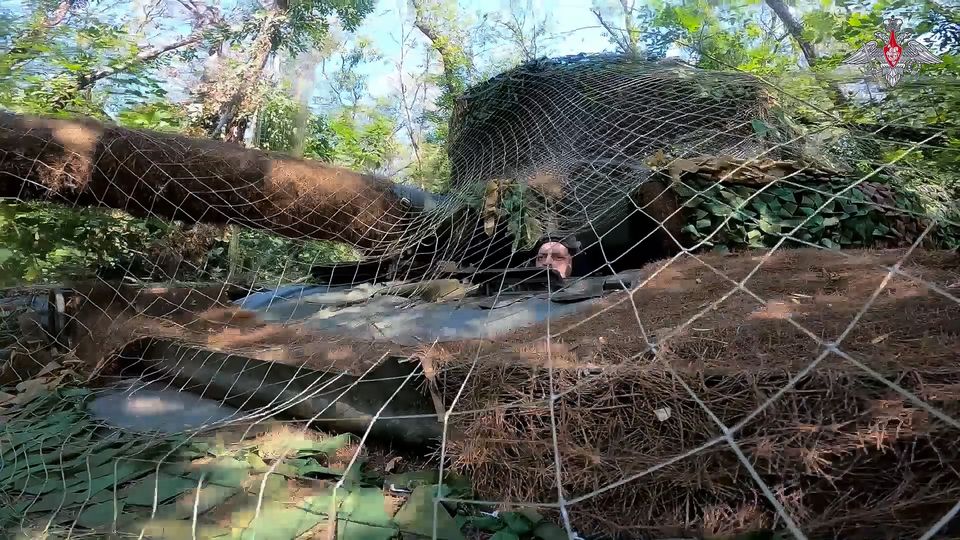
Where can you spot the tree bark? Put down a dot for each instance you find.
(147, 174)
(795, 29)
(228, 123)
(443, 45)
(59, 14)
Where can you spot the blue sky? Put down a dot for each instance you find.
(572, 23)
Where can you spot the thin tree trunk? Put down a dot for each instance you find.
(441, 44)
(60, 14)
(795, 29)
(228, 124)
(86, 163)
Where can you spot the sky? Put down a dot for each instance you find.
(572, 23)
(572, 27)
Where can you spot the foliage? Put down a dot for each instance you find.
(308, 21)
(507, 201)
(273, 259)
(50, 243)
(277, 130)
(44, 66)
(736, 217)
(64, 468)
(366, 143)
(157, 115)
(45, 243)
(525, 523)
(42, 73)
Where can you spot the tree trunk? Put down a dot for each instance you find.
(229, 123)
(86, 163)
(795, 29)
(443, 45)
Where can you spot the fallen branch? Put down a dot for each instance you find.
(87, 163)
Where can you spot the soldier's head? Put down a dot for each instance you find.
(556, 255)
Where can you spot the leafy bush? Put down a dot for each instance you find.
(48, 243)
(746, 217)
(44, 242)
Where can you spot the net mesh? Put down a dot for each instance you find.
(441, 386)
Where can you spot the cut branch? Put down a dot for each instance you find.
(86, 163)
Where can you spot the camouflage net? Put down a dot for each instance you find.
(791, 388)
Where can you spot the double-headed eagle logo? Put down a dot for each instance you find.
(896, 53)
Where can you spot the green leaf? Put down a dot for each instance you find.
(735, 200)
(531, 515)
(768, 227)
(417, 516)
(210, 496)
(85, 489)
(703, 224)
(354, 475)
(759, 127)
(516, 522)
(486, 523)
(759, 205)
(162, 487)
(785, 194)
(278, 521)
(683, 190)
(815, 223)
(99, 515)
(788, 209)
(550, 531)
(829, 222)
(5, 255)
(257, 463)
(351, 530)
(367, 506)
(504, 534)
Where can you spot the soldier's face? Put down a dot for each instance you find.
(555, 255)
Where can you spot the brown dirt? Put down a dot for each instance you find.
(148, 174)
(843, 452)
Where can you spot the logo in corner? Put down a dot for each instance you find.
(895, 53)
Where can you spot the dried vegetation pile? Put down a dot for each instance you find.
(643, 382)
(638, 432)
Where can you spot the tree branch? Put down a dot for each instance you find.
(60, 14)
(90, 79)
(795, 29)
(441, 44)
(614, 33)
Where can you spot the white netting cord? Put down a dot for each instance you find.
(585, 157)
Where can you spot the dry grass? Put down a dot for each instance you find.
(842, 452)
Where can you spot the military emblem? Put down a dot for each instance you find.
(894, 54)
